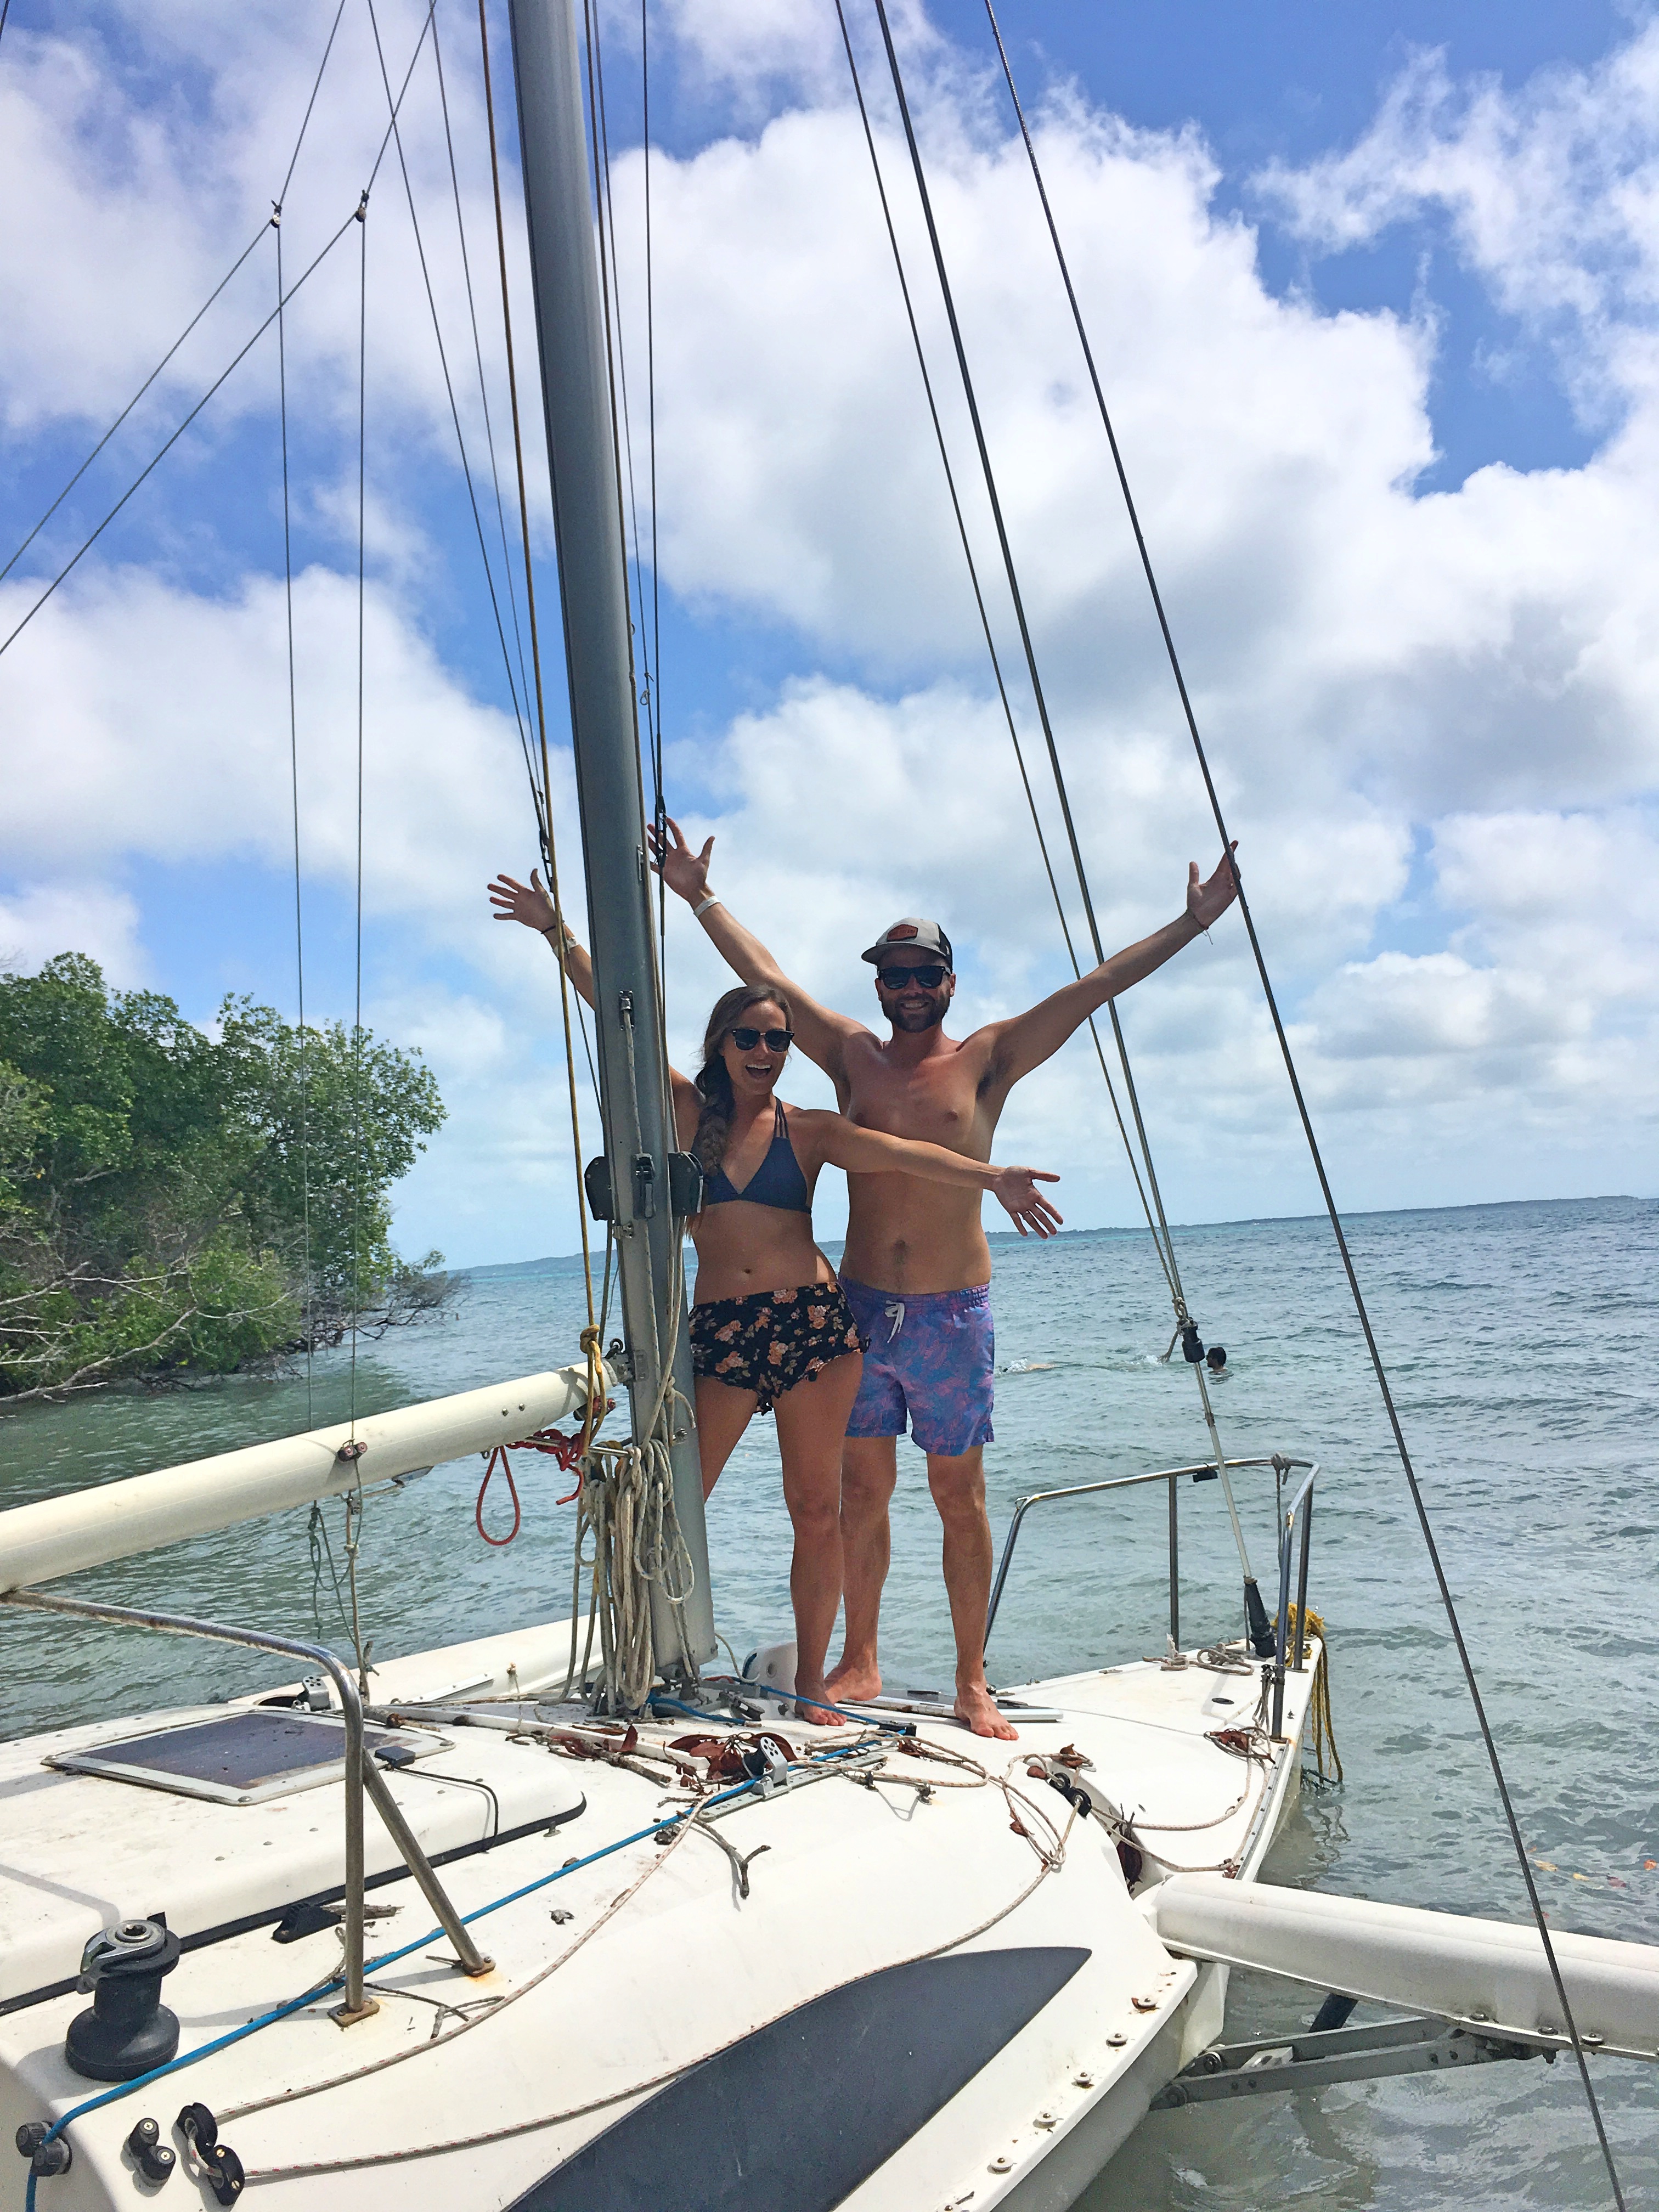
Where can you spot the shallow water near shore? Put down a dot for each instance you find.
(1523, 1344)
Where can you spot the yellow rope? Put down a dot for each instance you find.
(1319, 1706)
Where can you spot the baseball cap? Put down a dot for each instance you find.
(913, 934)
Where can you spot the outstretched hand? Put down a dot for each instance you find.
(1208, 902)
(680, 868)
(526, 902)
(1016, 1191)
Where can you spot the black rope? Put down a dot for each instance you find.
(985, 626)
(294, 777)
(5, 10)
(1306, 1119)
(449, 389)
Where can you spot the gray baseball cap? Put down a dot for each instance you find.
(911, 934)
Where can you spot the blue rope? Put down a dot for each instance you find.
(391, 1958)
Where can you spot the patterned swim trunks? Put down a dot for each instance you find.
(932, 1357)
(773, 1340)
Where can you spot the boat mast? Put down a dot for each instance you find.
(639, 1135)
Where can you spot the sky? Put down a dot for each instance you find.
(1374, 294)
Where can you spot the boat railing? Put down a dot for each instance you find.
(362, 1776)
(1300, 1509)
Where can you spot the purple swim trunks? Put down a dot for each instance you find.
(932, 1358)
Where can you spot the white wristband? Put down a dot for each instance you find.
(698, 912)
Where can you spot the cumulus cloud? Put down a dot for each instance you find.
(1432, 717)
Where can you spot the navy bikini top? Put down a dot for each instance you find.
(777, 1180)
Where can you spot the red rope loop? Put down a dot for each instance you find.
(499, 1453)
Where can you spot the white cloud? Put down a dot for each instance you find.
(1470, 678)
(1552, 191)
(43, 919)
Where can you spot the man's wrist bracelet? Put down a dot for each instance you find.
(698, 912)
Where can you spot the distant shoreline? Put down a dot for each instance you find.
(503, 1270)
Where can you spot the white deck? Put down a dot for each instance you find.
(854, 1879)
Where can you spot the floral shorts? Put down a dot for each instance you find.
(773, 1340)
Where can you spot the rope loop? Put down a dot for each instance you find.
(498, 1456)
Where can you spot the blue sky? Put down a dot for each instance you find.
(1374, 293)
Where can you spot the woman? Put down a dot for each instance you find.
(771, 1329)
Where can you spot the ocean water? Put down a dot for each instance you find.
(1523, 1344)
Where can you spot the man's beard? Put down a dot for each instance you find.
(914, 1020)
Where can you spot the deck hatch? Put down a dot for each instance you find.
(243, 1758)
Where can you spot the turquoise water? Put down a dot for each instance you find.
(1524, 1341)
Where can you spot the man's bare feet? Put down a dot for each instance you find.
(815, 1705)
(977, 1709)
(854, 1682)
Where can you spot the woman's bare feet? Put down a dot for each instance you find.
(815, 1705)
(854, 1681)
(977, 1710)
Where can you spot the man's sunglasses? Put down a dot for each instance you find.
(930, 977)
(776, 1040)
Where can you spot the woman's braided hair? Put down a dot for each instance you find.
(714, 1081)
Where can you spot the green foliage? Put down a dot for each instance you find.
(168, 1199)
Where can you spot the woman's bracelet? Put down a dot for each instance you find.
(698, 912)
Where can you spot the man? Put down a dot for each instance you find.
(917, 1268)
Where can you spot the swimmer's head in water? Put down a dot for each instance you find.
(1217, 1357)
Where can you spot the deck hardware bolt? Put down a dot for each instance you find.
(1046, 2120)
(1117, 2040)
(1083, 2081)
(1144, 2004)
(1002, 2163)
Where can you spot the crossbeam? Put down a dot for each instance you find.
(1423, 2044)
(83, 1529)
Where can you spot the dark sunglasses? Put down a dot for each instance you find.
(930, 977)
(776, 1040)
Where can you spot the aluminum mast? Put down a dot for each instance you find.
(639, 1136)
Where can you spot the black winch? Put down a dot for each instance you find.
(126, 2029)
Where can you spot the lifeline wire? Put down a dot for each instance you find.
(1358, 1295)
(1252, 1598)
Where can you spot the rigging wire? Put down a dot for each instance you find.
(477, 355)
(985, 626)
(259, 235)
(1358, 1295)
(354, 1498)
(237, 359)
(294, 780)
(593, 1331)
(659, 806)
(449, 389)
(1256, 1613)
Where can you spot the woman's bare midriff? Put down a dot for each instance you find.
(743, 1249)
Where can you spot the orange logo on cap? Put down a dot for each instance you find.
(901, 929)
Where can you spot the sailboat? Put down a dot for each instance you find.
(557, 1918)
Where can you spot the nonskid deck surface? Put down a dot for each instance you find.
(975, 1890)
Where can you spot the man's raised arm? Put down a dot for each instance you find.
(1026, 1041)
(820, 1033)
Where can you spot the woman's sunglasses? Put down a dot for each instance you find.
(930, 977)
(775, 1040)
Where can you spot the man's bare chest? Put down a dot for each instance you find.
(937, 1102)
